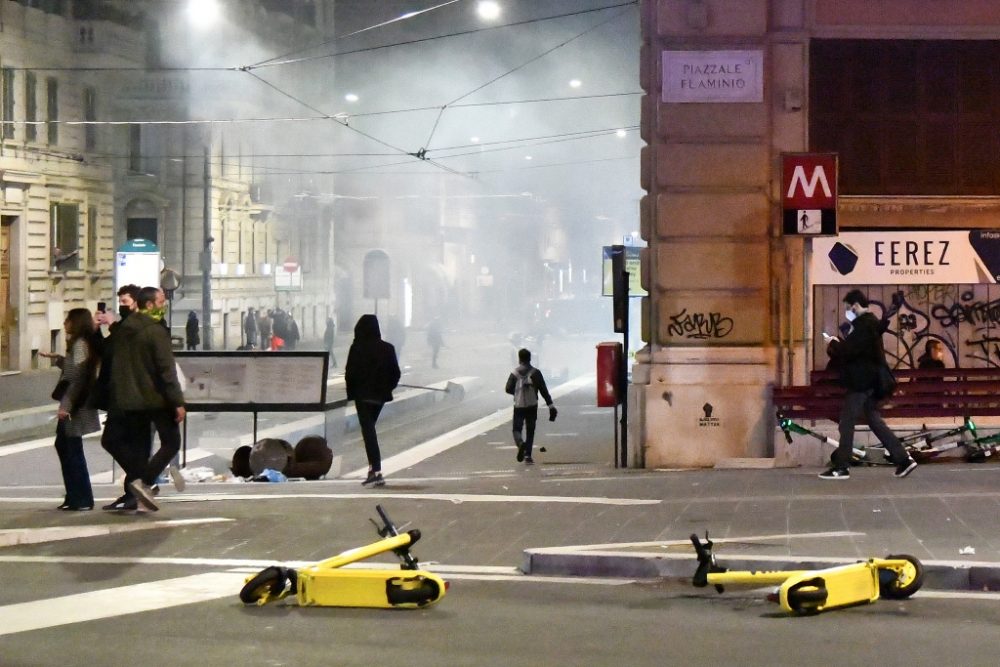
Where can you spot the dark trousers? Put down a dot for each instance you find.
(137, 426)
(367, 416)
(857, 403)
(127, 449)
(75, 476)
(525, 419)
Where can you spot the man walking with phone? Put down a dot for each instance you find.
(858, 357)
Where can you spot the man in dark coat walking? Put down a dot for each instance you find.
(370, 375)
(191, 330)
(858, 358)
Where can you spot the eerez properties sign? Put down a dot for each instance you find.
(713, 76)
(906, 258)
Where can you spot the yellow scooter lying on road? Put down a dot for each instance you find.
(328, 584)
(813, 591)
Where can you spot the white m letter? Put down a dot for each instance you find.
(809, 187)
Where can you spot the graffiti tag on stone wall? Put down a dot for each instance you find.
(700, 325)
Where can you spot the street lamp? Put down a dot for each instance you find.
(203, 13)
(488, 10)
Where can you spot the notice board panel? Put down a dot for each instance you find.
(250, 381)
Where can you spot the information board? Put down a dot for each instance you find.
(252, 381)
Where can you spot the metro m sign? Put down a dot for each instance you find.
(809, 193)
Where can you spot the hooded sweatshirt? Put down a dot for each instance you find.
(372, 371)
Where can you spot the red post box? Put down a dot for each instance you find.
(609, 360)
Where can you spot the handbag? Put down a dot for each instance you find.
(885, 383)
(60, 389)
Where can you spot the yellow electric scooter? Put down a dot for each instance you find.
(328, 584)
(813, 591)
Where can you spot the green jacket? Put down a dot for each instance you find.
(143, 370)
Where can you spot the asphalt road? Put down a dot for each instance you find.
(508, 620)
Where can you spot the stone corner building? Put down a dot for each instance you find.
(904, 91)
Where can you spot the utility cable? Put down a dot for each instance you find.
(447, 36)
(403, 17)
(515, 69)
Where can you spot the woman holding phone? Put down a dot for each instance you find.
(79, 371)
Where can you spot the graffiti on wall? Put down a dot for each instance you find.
(964, 318)
(699, 326)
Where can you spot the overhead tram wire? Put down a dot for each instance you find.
(402, 17)
(344, 124)
(461, 33)
(600, 24)
(262, 64)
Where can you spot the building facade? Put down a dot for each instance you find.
(902, 92)
(93, 156)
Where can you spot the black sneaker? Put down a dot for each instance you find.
(373, 479)
(520, 452)
(905, 468)
(528, 461)
(835, 473)
(124, 503)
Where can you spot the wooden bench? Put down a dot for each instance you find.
(949, 392)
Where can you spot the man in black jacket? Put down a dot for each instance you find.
(858, 357)
(371, 374)
(145, 391)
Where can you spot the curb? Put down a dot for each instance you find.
(939, 575)
(16, 422)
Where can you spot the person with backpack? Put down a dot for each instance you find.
(860, 358)
(524, 384)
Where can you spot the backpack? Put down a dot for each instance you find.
(525, 395)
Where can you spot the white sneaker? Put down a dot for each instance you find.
(179, 482)
(144, 494)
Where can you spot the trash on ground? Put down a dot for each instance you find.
(967, 551)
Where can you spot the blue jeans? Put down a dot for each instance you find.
(75, 476)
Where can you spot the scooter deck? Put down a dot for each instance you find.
(819, 590)
(381, 589)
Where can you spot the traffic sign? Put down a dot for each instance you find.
(809, 193)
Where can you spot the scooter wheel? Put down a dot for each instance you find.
(896, 585)
(419, 591)
(269, 581)
(807, 596)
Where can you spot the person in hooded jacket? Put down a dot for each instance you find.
(370, 375)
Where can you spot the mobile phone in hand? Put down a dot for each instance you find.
(102, 307)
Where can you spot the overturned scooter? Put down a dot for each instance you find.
(813, 591)
(328, 584)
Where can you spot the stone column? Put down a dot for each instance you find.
(701, 388)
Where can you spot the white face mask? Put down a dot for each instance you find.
(850, 315)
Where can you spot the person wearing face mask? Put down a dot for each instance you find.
(146, 392)
(114, 437)
(858, 357)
